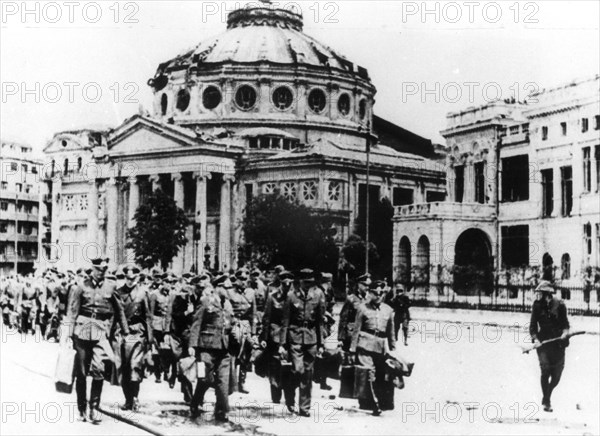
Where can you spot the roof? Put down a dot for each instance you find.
(380, 154)
(262, 35)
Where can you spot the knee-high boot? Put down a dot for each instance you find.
(95, 395)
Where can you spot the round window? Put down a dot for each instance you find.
(183, 100)
(362, 109)
(282, 98)
(317, 100)
(344, 104)
(245, 97)
(211, 97)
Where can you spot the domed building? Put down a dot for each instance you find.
(260, 109)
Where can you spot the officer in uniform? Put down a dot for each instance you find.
(92, 307)
(349, 310)
(548, 321)
(159, 306)
(401, 305)
(373, 338)
(301, 331)
(209, 343)
(243, 301)
(271, 334)
(139, 319)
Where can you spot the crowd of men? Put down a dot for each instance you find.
(127, 325)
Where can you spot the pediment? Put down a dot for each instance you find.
(142, 136)
(67, 142)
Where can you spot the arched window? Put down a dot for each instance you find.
(423, 259)
(164, 103)
(79, 163)
(548, 267)
(66, 166)
(565, 266)
(404, 262)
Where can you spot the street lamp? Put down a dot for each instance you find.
(368, 196)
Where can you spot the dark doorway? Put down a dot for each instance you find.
(547, 267)
(404, 262)
(473, 264)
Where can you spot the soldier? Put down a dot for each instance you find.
(301, 331)
(159, 306)
(271, 335)
(26, 306)
(243, 301)
(261, 293)
(349, 310)
(92, 307)
(209, 343)
(328, 321)
(373, 338)
(401, 304)
(549, 320)
(139, 319)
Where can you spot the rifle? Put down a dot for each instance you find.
(528, 348)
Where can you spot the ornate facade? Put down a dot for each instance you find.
(523, 186)
(262, 108)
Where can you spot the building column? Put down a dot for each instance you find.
(55, 225)
(224, 249)
(92, 222)
(111, 220)
(557, 188)
(178, 196)
(450, 182)
(155, 182)
(469, 185)
(134, 202)
(200, 216)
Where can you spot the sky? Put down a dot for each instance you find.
(67, 65)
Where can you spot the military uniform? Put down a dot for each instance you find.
(159, 307)
(271, 336)
(92, 307)
(549, 320)
(347, 319)
(401, 305)
(130, 363)
(209, 337)
(243, 303)
(373, 337)
(301, 330)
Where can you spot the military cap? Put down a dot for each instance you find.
(241, 274)
(187, 276)
(81, 272)
(377, 284)
(326, 277)
(54, 270)
(307, 274)
(110, 276)
(256, 272)
(365, 279)
(70, 272)
(171, 278)
(286, 275)
(100, 262)
(220, 279)
(279, 269)
(545, 286)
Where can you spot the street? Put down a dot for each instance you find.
(468, 379)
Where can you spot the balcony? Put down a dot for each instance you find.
(445, 210)
(10, 237)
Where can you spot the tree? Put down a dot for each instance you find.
(159, 231)
(354, 256)
(278, 231)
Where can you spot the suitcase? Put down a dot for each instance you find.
(347, 376)
(64, 373)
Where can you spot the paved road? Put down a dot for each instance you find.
(467, 380)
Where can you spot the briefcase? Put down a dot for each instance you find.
(65, 370)
(347, 376)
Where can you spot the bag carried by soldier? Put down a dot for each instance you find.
(347, 378)
(260, 358)
(64, 373)
(188, 369)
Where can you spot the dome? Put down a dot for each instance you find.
(264, 72)
(259, 35)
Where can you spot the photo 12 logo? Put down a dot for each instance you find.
(69, 92)
(70, 12)
(470, 12)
